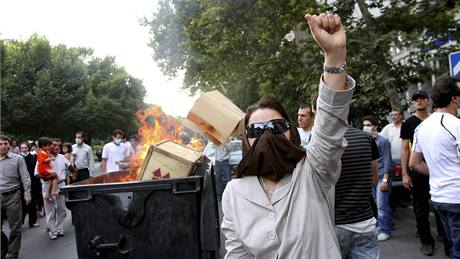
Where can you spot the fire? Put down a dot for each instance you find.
(157, 126)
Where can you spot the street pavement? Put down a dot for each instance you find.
(402, 245)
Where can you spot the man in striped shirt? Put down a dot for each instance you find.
(354, 220)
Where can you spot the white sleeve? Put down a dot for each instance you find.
(385, 131)
(416, 146)
(105, 151)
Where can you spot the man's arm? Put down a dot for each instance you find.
(416, 159)
(386, 155)
(405, 153)
(105, 156)
(375, 173)
(416, 162)
(90, 160)
(104, 165)
(25, 178)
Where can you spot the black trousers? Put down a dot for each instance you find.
(421, 201)
(30, 210)
(82, 174)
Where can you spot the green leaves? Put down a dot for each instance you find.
(239, 47)
(55, 91)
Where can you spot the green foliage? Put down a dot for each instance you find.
(239, 47)
(54, 91)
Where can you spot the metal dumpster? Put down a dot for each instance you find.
(171, 218)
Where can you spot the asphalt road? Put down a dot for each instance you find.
(402, 245)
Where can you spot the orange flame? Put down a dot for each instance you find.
(157, 126)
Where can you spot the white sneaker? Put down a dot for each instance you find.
(60, 233)
(383, 237)
(53, 236)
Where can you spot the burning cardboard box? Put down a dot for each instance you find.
(167, 159)
(216, 117)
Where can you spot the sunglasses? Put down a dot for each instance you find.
(277, 126)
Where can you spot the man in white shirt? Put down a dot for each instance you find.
(392, 132)
(84, 160)
(437, 141)
(306, 119)
(55, 209)
(114, 153)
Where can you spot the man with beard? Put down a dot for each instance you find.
(55, 208)
(281, 205)
(13, 171)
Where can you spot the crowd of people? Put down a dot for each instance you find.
(315, 189)
(323, 190)
(32, 173)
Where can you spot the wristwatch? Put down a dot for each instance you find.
(385, 180)
(335, 70)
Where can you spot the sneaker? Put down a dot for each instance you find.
(60, 233)
(53, 236)
(427, 250)
(383, 237)
(35, 225)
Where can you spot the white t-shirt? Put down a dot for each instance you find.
(438, 138)
(305, 137)
(114, 153)
(393, 134)
(364, 226)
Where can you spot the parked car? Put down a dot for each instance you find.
(236, 153)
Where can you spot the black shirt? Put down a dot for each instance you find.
(408, 128)
(353, 190)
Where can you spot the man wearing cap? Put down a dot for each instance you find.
(417, 183)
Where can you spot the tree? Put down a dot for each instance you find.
(54, 91)
(241, 48)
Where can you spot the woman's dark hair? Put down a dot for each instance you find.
(444, 89)
(43, 142)
(270, 103)
(25, 143)
(68, 146)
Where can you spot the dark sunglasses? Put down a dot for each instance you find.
(277, 126)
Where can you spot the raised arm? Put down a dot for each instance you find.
(335, 92)
(329, 34)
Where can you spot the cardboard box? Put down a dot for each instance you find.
(217, 117)
(167, 159)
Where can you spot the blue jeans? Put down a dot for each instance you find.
(384, 213)
(450, 217)
(223, 176)
(358, 245)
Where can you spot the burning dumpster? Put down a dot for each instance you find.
(166, 205)
(115, 216)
